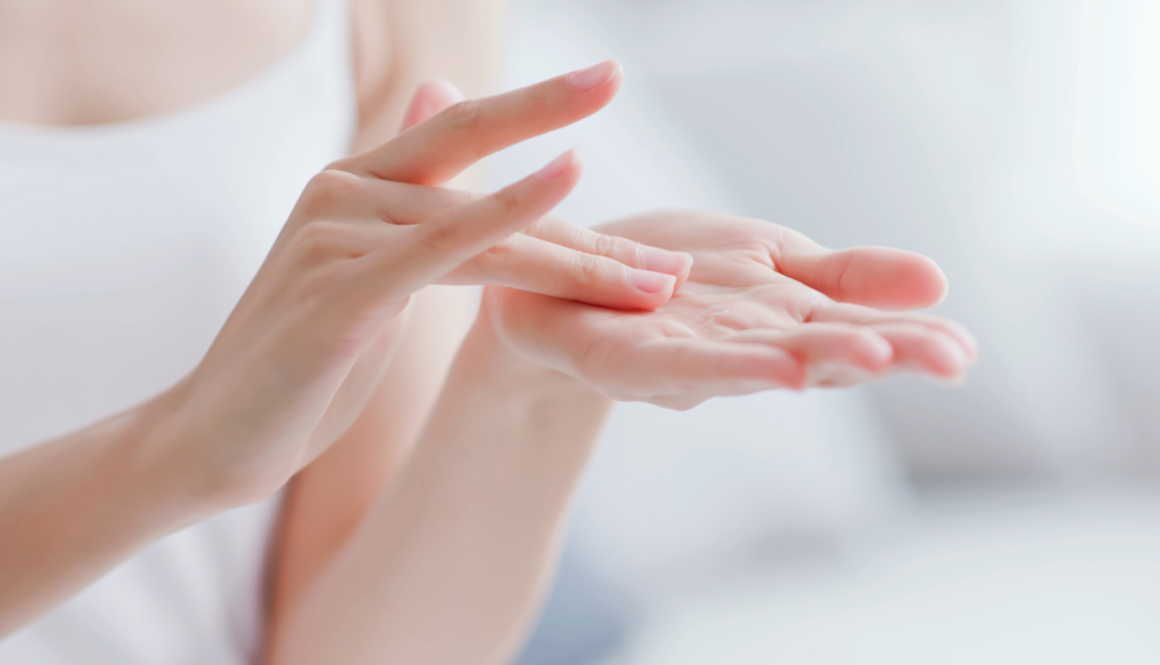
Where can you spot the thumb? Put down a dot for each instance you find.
(429, 99)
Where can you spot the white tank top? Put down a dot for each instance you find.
(123, 247)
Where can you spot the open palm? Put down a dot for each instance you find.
(762, 307)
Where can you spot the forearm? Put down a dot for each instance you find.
(398, 45)
(73, 508)
(450, 565)
(327, 500)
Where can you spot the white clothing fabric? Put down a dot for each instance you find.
(123, 248)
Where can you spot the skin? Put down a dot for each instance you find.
(763, 307)
(54, 60)
(295, 381)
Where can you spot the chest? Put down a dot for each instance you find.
(124, 246)
(76, 62)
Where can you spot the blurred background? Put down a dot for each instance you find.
(1012, 519)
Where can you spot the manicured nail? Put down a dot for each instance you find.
(594, 76)
(662, 260)
(651, 282)
(557, 166)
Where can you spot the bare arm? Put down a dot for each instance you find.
(327, 501)
(398, 46)
(72, 508)
(449, 566)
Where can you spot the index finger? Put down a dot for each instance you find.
(434, 151)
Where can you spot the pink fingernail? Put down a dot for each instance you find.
(594, 76)
(662, 260)
(651, 282)
(557, 166)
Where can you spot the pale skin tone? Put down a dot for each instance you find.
(371, 565)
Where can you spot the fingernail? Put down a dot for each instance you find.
(557, 166)
(662, 260)
(594, 76)
(651, 282)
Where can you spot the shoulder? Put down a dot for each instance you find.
(398, 44)
(390, 35)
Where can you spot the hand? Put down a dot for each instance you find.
(763, 307)
(308, 342)
(552, 256)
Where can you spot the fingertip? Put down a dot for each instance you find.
(662, 260)
(593, 88)
(566, 164)
(639, 290)
(876, 352)
(938, 354)
(652, 284)
(952, 364)
(438, 94)
(918, 282)
(556, 180)
(934, 280)
(429, 99)
(969, 342)
(786, 370)
(887, 278)
(613, 84)
(683, 275)
(598, 75)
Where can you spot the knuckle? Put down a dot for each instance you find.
(464, 115)
(343, 164)
(439, 237)
(836, 275)
(388, 215)
(806, 305)
(603, 245)
(499, 252)
(589, 270)
(507, 199)
(318, 242)
(329, 189)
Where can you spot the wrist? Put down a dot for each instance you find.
(141, 474)
(489, 355)
(169, 451)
